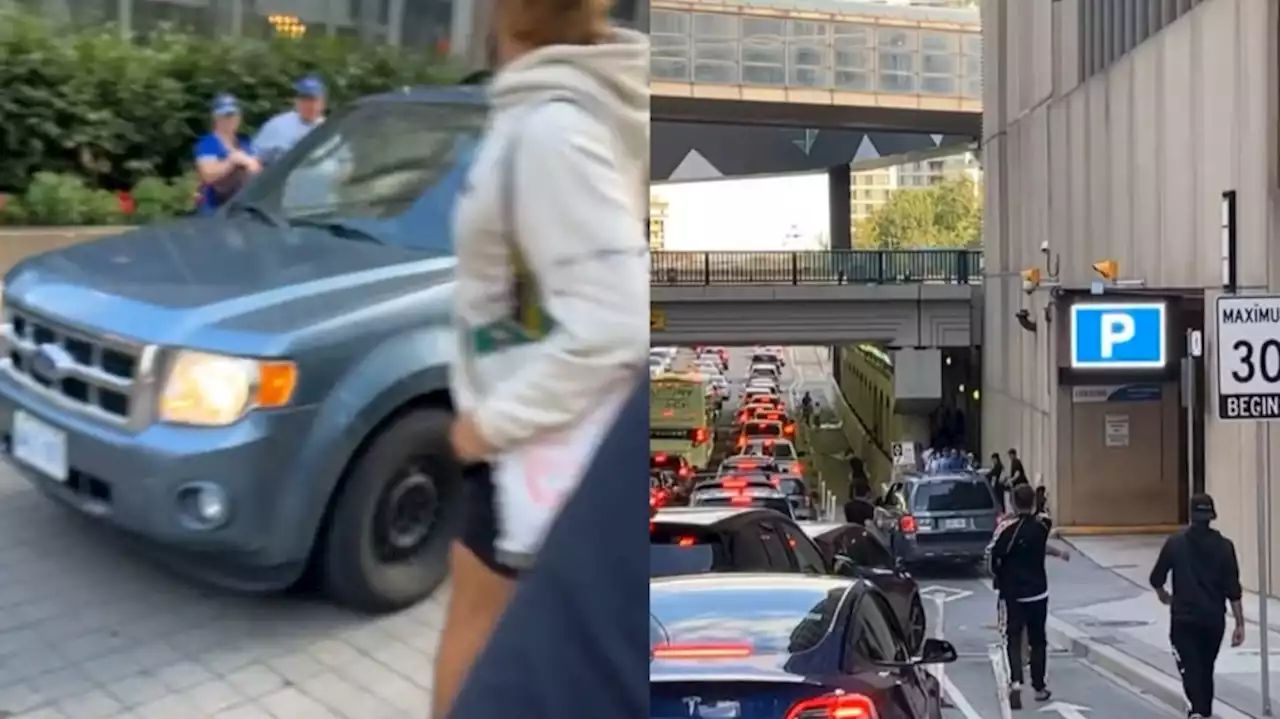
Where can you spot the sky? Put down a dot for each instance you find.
(746, 214)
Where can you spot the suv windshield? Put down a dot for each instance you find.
(953, 495)
(389, 168)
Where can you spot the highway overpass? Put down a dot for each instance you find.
(895, 298)
(798, 69)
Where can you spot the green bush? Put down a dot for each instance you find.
(54, 199)
(89, 103)
(155, 199)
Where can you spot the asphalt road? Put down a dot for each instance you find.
(962, 608)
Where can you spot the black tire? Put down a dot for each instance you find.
(351, 572)
(917, 625)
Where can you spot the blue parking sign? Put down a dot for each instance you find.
(1118, 335)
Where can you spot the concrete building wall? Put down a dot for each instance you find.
(1126, 164)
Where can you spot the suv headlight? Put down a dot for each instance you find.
(212, 390)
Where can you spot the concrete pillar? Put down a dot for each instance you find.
(840, 222)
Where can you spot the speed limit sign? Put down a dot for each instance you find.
(1248, 358)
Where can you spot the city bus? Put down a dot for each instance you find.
(680, 418)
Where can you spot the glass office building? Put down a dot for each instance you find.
(411, 23)
(421, 24)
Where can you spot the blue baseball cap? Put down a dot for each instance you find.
(309, 86)
(225, 105)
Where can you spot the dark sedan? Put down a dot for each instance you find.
(691, 540)
(769, 646)
(862, 552)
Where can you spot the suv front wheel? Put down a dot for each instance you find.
(386, 544)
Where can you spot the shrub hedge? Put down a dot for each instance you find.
(90, 104)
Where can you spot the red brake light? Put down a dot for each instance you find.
(668, 413)
(835, 706)
(775, 481)
(660, 457)
(907, 524)
(685, 472)
(789, 429)
(701, 651)
(797, 468)
(685, 542)
(700, 435)
(740, 501)
(734, 484)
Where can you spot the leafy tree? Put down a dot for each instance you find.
(946, 215)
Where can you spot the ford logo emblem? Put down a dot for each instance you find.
(50, 362)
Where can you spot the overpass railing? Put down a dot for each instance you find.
(820, 267)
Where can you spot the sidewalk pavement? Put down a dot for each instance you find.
(1128, 632)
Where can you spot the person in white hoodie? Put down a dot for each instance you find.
(552, 295)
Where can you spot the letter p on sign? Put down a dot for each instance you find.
(1116, 330)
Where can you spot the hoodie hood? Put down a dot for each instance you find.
(610, 77)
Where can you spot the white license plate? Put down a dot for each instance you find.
(39, 445)
(955, 524)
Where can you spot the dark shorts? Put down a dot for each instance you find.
(480, 520)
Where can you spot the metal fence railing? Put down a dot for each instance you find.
(830, 267)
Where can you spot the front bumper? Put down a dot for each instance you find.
(133, 482)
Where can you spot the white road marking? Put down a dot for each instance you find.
(949, 689)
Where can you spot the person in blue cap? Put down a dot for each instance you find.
(285, 130)
(224, 157)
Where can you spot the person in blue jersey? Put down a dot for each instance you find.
(224, 157)
(285, 130)
(574, 641)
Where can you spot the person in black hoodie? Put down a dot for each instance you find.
(996, 478)
(1016, 559)
(1017, 473)
(1206, 578)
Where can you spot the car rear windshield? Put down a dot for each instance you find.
(763, 429)
(953, 495)
(771, 619)
(777, 504)
(780, 451)
(791, 486)
(681, 550)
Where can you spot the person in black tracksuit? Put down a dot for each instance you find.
(1016, 558)
(1206, 578)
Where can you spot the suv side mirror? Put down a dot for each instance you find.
(936, 651)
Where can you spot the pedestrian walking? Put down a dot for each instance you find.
(996, 478)
(551, 293)
(1017, 473)
(574, 641)
(1016, 558)
(1206, 579)
(285, 130)
(806, 409)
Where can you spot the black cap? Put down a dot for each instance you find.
(1202, 509)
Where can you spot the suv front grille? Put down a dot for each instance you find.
(95, 375)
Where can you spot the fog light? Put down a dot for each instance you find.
(211, 504)
(204, 505)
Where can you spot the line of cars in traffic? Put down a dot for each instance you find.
(759, 607)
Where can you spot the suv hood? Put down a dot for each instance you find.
(161, 284)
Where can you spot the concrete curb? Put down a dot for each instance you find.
(1160, 686)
